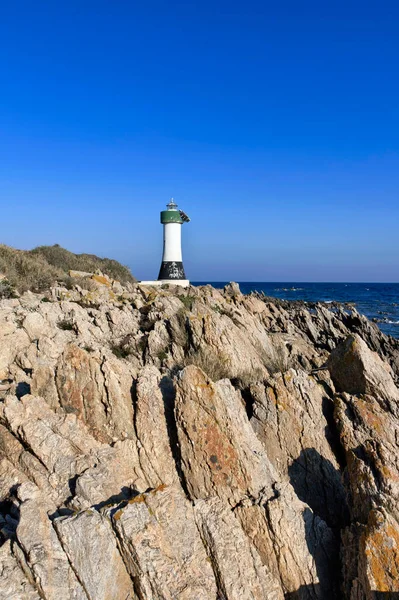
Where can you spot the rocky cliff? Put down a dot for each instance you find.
(200, 444)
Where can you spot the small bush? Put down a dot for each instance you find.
(162, 355)
(180, 332)
(217, 309)
(214, 366)
(88, 349)
(128, 346)
(7, 290)
(277, 361)
(86, 303)
(68, 282)
(142, 343)
(66, 325)
(188, 301)
(121, 351)
(247, 377)
(87, 284)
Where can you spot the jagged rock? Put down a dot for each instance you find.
(232, 289)
(62, 453)
(307, 550)
(113, 474)
(48, 563)
(379, 555)
(220, 454)
(126, 473)
(292, 415)
(162, 547)
(10, 478)
(98, 391)
(12, 341)
(227, 343)
(14, 583)
(90, 544)
(369, 435)
(240, 573)
(153, 408)
(357, 370)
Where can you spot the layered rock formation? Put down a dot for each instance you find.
(161, 444)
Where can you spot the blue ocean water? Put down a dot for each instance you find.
(378, 301)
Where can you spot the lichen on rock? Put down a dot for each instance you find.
(206, 445)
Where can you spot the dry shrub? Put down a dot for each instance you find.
(87, 284)
(65, 260)
(277, 360)
(214, 366)
(25, 272)
(246, 378)
(43, 267)
(6, 290)
(179, 326)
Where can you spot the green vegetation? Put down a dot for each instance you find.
(63, 259)
(214, 366)
(278, 360)
(121, 351)
(142, 343)
(6, 289)
(129, 345)
(188, 301)
(66, 325)
(39, 269)
(162, 355)
(246, 378)
(26, 272)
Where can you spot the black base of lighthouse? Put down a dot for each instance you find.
(171, 270)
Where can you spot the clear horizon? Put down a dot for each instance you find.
(304, 282)
(275, 127)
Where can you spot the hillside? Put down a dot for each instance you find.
(44, 266)
(195, 444)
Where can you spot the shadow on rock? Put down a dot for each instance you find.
(9, 516)
(305, 592)
(317, 482)
(324, 546)
(169, 396)
(311, 592)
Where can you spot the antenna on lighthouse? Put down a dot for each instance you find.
(172, 204)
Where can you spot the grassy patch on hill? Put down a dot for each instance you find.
(42, 267)
(63, 259)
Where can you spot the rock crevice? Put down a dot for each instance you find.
(164, 445)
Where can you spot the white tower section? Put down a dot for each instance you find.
(172, 243)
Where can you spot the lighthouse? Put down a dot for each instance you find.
(172, 270)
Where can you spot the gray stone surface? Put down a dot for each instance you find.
(170, 444)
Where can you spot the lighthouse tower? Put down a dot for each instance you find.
(172, 270)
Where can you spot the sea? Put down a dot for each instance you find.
(378, 301)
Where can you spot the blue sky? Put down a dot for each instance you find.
(274, 125)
